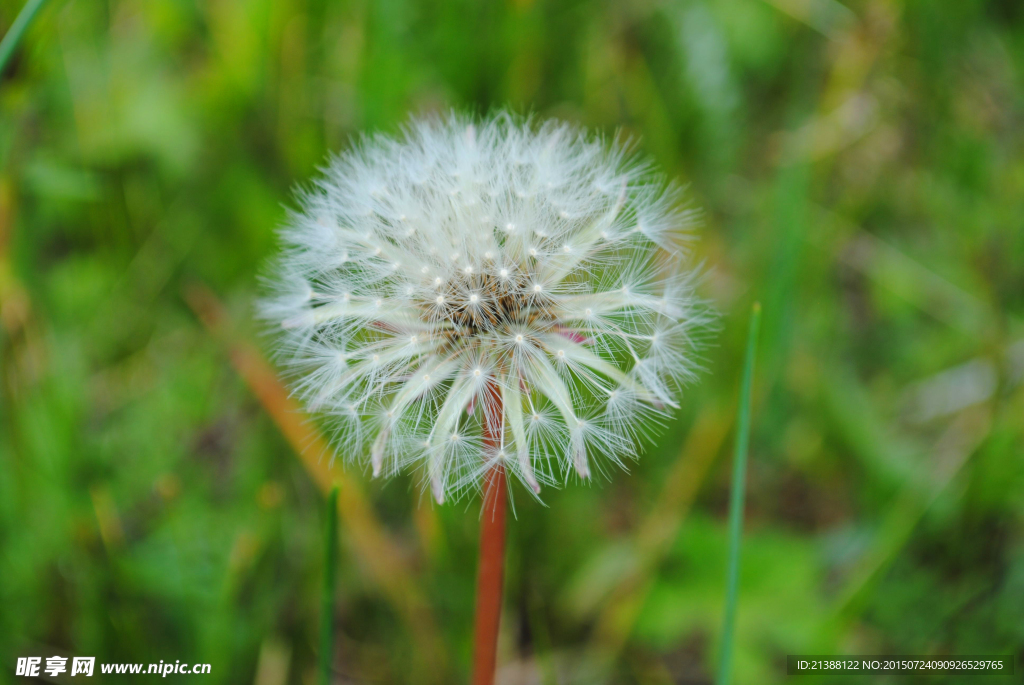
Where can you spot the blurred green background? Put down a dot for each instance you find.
(861, 169)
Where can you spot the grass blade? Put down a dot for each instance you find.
(736, 500)
(17, 30)
(327, 592)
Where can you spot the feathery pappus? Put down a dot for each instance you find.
(482, 291)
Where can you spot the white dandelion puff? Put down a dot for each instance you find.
(481, 292)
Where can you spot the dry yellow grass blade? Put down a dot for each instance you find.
(109, 521)
(26, 360)
(381, 558)
(619, 613)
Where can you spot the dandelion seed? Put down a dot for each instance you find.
(541, 319)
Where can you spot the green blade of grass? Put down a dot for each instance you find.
(736, 500)
(17, 30)
(327, 595)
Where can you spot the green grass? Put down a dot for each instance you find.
(737, 499)
(16, 30)
(860, 169)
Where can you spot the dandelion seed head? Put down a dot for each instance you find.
(527, 281)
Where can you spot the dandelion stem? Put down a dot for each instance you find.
(491, 572)
(736, 500)
(327, 595)
(17, 30)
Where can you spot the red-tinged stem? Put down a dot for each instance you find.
(491, 572)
